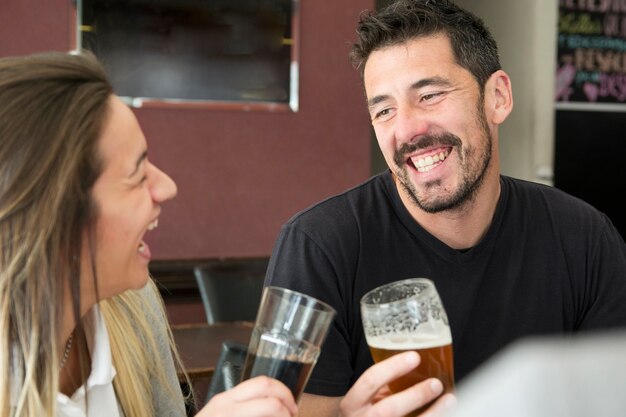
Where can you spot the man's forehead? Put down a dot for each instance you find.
(428, 53)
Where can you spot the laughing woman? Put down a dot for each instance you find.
(82, 328)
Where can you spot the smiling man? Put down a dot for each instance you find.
(510, 258)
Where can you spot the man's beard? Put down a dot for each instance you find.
(472, 174)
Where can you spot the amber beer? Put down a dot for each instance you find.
(409, 315)
(436, 361)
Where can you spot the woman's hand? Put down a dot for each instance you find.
(370, 397)
(257, 397)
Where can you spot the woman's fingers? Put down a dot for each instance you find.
(262, 386)
(261, 407)
(258, 397)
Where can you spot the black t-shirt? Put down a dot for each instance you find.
(549, 263)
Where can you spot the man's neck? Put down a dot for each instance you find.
(464, 227)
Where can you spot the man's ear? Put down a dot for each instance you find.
(498, 97)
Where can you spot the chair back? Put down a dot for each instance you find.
(231, 292)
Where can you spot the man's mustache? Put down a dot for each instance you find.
(426, 141)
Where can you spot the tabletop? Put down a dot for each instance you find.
(200, 345)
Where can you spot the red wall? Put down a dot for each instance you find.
(240, 174)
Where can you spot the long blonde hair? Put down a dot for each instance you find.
(52, 110)
(135, 320)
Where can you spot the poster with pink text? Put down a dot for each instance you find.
(591, 58)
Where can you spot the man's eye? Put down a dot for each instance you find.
(430, 96)
(382, 113)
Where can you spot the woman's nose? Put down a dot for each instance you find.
(163, 188)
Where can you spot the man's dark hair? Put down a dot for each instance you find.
(473, 46)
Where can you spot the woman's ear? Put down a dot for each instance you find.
(498, 97)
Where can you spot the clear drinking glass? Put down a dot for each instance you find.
(409, 315)
(288, 333)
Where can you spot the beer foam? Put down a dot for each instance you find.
(410, 342)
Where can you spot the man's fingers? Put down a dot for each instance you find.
(377, 376)
(442, 407)
(409, 400)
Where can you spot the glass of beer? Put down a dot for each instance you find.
(408, 315)
(288, 333)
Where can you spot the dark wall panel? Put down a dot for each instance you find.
(240, 174)
(590, 160)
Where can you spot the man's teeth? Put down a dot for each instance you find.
(153, 225)
(142, 247)
(431, 161)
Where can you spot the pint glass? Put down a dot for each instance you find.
(288, 333)
(408, 315)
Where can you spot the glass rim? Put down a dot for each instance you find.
(325, 307)
(426, 281)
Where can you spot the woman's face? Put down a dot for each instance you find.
(127, 198)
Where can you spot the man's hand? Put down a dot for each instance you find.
(370, 397)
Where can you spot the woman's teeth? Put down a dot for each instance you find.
(431, 161)
(154, 224)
